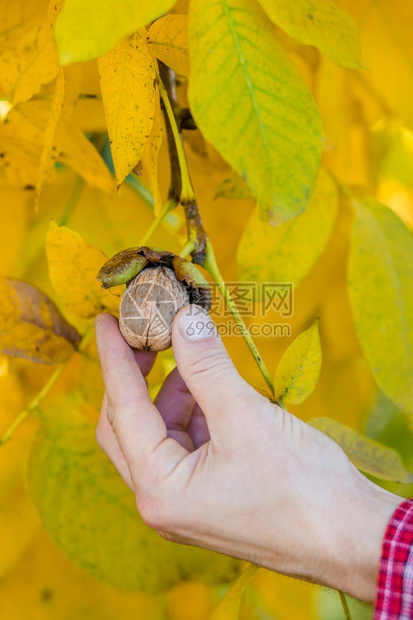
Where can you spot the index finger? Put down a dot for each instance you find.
(135, 420)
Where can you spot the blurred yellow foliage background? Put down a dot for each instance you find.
(61, 215)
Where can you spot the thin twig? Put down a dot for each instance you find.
(187, 192)
(167, 77)
(211, 266)
(34, 403)
(181, 186)
(188, 248)
(166, 208)
(344, 604)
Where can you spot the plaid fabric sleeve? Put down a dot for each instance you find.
(394, 598)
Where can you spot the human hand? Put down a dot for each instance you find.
(213, 463)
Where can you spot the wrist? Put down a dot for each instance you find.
(355, 543)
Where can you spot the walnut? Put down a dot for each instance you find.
(159, 284)
(148, 308)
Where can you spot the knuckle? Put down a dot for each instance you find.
(151, 511)
(210, 363)
(111, 413)
(158, 507)
(116, 416)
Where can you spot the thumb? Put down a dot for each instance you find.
(205, 365)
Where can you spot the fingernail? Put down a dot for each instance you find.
(196, 324)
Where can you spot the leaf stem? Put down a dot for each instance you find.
(180, 178)
(72, 201)
(168, 206)
(188, 248)
(187, 192)
(346, 609)
(211, 266)
(34, 403)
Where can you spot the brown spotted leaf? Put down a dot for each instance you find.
(127, 79)
(31, 326)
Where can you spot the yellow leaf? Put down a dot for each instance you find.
(20, 161)
(20, 144)
(13, 225)
(32, 64)
(250, 102)
(366, 454)
(298, 371)
(322, 24)
(73, 267)
(380, 283)
(168, 41)
(32, 326)
(66, 467)
(347, 153)
(17, 18)
(385, 30)
(34, 61)
(78, 152)
(287, 253)
(86, 29)
(129, 90)
(150, 157)
(229, 607)
(62, 109)
(22, 139)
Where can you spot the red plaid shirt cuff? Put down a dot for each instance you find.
(394, 599)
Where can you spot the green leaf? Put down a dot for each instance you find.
(288, 252)
(380, 284)
(91, 513)
(366, 454)
(322, 24)
(385, 423)
(250, 102)
(86, 29)
(127, 79)
(234, 187)
(298, 371)
(229, 607)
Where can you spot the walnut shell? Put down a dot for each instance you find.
(148, 307)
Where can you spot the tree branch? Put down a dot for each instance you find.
(174, 118)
